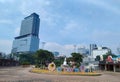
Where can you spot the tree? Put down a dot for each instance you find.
(59, 61)
(77, 57)
(108, 54)
(43, 57)
(97, 58)
(26, 58)
(70, 59)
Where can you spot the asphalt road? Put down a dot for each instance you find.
(19, 74)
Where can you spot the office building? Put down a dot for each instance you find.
(92, 47)
(30, 25)
(28, 40)
(100, 51)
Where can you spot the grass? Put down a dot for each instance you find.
(41, 71)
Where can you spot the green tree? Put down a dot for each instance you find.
(43, 57)
(77, 57)
(70, 59)
(108, 54)
(59, 61)
(26, 58)
(97, 58)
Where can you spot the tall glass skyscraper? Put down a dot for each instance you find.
(30, 25)
(28, 40)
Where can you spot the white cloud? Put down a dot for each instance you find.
(105, 35)
(73, 27)
(104, 5)
(4, 21)
(63, 49)
(28, 7)
(6, 46)
(17, 31)
(43, 9)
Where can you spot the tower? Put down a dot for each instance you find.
(92, 47)
(28, 40)
(30, 25)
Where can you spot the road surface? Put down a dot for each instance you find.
(19, 74)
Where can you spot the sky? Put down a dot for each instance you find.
(64, 23)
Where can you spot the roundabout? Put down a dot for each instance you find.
(65, 69)
(43, 71)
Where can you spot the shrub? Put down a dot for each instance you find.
(25, 63)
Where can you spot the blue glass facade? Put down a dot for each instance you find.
(28, 41)
(30, 25)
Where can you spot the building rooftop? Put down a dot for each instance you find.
(33, 14)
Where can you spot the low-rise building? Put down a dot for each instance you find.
(100, 51)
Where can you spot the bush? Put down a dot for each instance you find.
(25, 63)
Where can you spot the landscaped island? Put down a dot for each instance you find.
(43, 71)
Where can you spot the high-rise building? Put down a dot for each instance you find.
(92, 47)
(28, 40)
(30, 25)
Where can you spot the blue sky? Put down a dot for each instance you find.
(63, 23)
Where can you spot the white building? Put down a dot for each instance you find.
(90, 63)
(100, 51)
